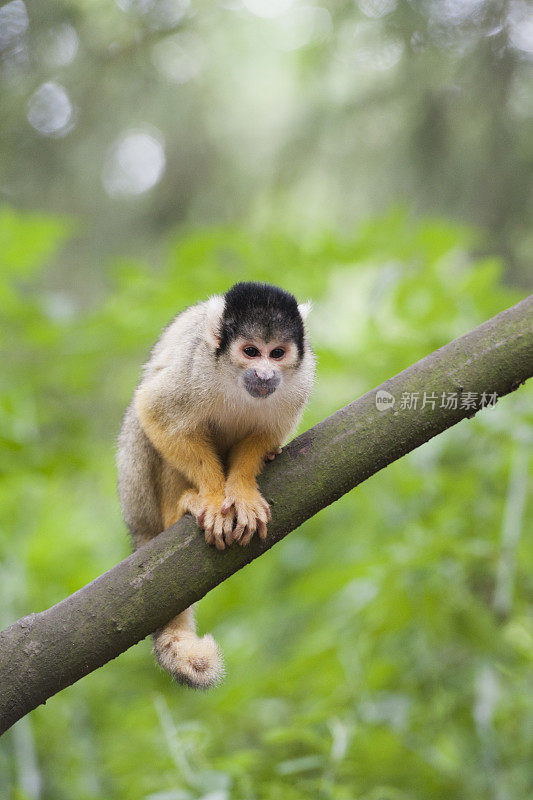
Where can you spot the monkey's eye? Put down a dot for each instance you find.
(277, 352)
(251, 352)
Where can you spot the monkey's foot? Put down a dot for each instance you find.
(251, 512)
(206, 508)
(190, 502)
(190, 660)
(272, 455)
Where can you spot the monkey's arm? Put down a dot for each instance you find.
(193, 454)
(245, 461)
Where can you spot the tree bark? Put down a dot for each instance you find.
(43, 653)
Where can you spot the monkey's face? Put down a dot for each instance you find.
(261, 365)
(259, 339)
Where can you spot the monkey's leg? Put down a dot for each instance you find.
(245, 461)
(190, 659)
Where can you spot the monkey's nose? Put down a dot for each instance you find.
(265, 375)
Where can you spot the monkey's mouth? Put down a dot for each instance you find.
(260, 391)
(259, 387)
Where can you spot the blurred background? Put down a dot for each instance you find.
(377, 157)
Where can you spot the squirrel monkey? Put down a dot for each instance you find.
(224, 387)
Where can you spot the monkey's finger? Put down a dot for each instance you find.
(228, 529)
(238, 532)
(219, 542)
(210, 539)
(245, 538)
(262, 529)
(218, 526)
(227, 504)
(262, 516)
(252, 523)
(209, 521)
(200, 518)
(229, 520)
(242, 516)
(265, 507)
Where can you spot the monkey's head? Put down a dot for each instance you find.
(259, 336)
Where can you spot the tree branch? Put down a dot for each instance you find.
(43, 653)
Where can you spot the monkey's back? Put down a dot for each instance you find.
(139, 468)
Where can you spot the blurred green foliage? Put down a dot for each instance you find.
(381, 652)
(294, 114)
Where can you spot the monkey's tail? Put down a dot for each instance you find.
(190, 659)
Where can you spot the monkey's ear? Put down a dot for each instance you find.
(215, 309)
(305, 309)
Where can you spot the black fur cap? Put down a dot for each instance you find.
(262, 310)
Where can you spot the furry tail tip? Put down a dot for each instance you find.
(191, 660)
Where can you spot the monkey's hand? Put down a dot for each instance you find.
(250, 510)
(207, 509)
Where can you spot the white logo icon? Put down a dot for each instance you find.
(384, 400)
